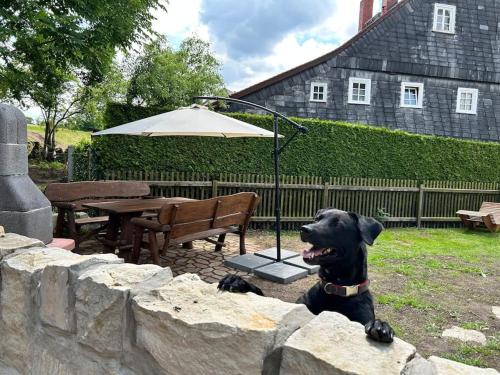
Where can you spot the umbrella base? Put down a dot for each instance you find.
(299, 262)
(247, 262)
(271, 254)
(281, 273)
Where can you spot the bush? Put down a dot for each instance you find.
(329, 149)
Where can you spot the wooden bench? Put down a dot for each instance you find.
(183, 223)
(488, 214)
(69, 199)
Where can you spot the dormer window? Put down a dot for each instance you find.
(444, 18)
(318, 92)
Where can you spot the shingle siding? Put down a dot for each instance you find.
(403, 47)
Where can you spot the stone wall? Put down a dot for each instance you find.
(62, 314)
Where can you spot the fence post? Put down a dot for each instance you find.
(71, 162)
(420, 206)
(215, 184)
(325, 195)
(89, 166)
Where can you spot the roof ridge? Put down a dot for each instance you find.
(319, 60)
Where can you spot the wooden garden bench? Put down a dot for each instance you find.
(69, 199)
(185, 222)
(488, 214)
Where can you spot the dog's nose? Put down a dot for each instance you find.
(305, 229)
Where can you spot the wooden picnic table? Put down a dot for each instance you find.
(121, 212)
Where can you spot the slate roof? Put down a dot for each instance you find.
(402, 41)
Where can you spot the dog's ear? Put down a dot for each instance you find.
(369, 228)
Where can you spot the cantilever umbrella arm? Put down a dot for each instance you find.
(299, 129)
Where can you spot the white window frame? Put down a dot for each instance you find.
(420, 96)
(325, 92)
(453, 14)
(368, 90)
(475, 96)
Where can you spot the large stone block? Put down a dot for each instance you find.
(19, 193)
(102, 295)
(332, 344)
(189, 327)
(34, 224)
(447, 367)
(57, 297)
(14, 159)
(12, 242)
(13, 125)
(20, 277)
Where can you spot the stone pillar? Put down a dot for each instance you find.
(23, 207)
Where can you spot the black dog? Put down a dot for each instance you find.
(338, 241)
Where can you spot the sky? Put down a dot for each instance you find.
(256, 39)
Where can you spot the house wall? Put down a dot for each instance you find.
(402, 46)
(438, 115)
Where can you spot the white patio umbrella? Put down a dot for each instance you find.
(196, 121)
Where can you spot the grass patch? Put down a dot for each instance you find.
(64, 137)
(47, 165)
(476, 355)
(478, 326)
(401, 301)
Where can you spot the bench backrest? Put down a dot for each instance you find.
(490, 207)
(94, 191)
(199, 216)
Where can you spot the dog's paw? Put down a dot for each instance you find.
(380, 331)
(235, 284)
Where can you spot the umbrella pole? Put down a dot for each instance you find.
(277, 197)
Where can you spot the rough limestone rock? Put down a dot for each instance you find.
(189, 327)
(20, 275)
(447, 367)
(332, 344)
(11, 242)
(496, 311)
(465, 335)
(57, 299)
(419, 366)
(102, 294)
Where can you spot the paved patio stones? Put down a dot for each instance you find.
(247, 262)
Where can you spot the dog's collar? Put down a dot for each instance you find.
(344, 290)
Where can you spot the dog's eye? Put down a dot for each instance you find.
(319, 218)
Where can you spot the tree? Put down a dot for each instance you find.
(52, 52)
(163, 77)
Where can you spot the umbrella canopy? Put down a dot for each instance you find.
(196, 120)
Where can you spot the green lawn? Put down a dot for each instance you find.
(425, 281)
(64, 137)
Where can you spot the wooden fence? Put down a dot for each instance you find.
(397, 202)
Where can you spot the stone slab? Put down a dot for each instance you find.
(465, 335)
(299, 262)
(13, 125)
(332, 344)
(102, 295)
(36, 223)
(189, 327)
(419, 366)
(19, 193)
(57, 301)
(271, 253)
(11, 242)
(247, 262)
(14, 159)
(496, 311)
(281, 273)
(63, 243)
(447, 367)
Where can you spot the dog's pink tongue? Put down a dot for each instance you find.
(312, 252)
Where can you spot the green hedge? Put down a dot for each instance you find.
(329, 149)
